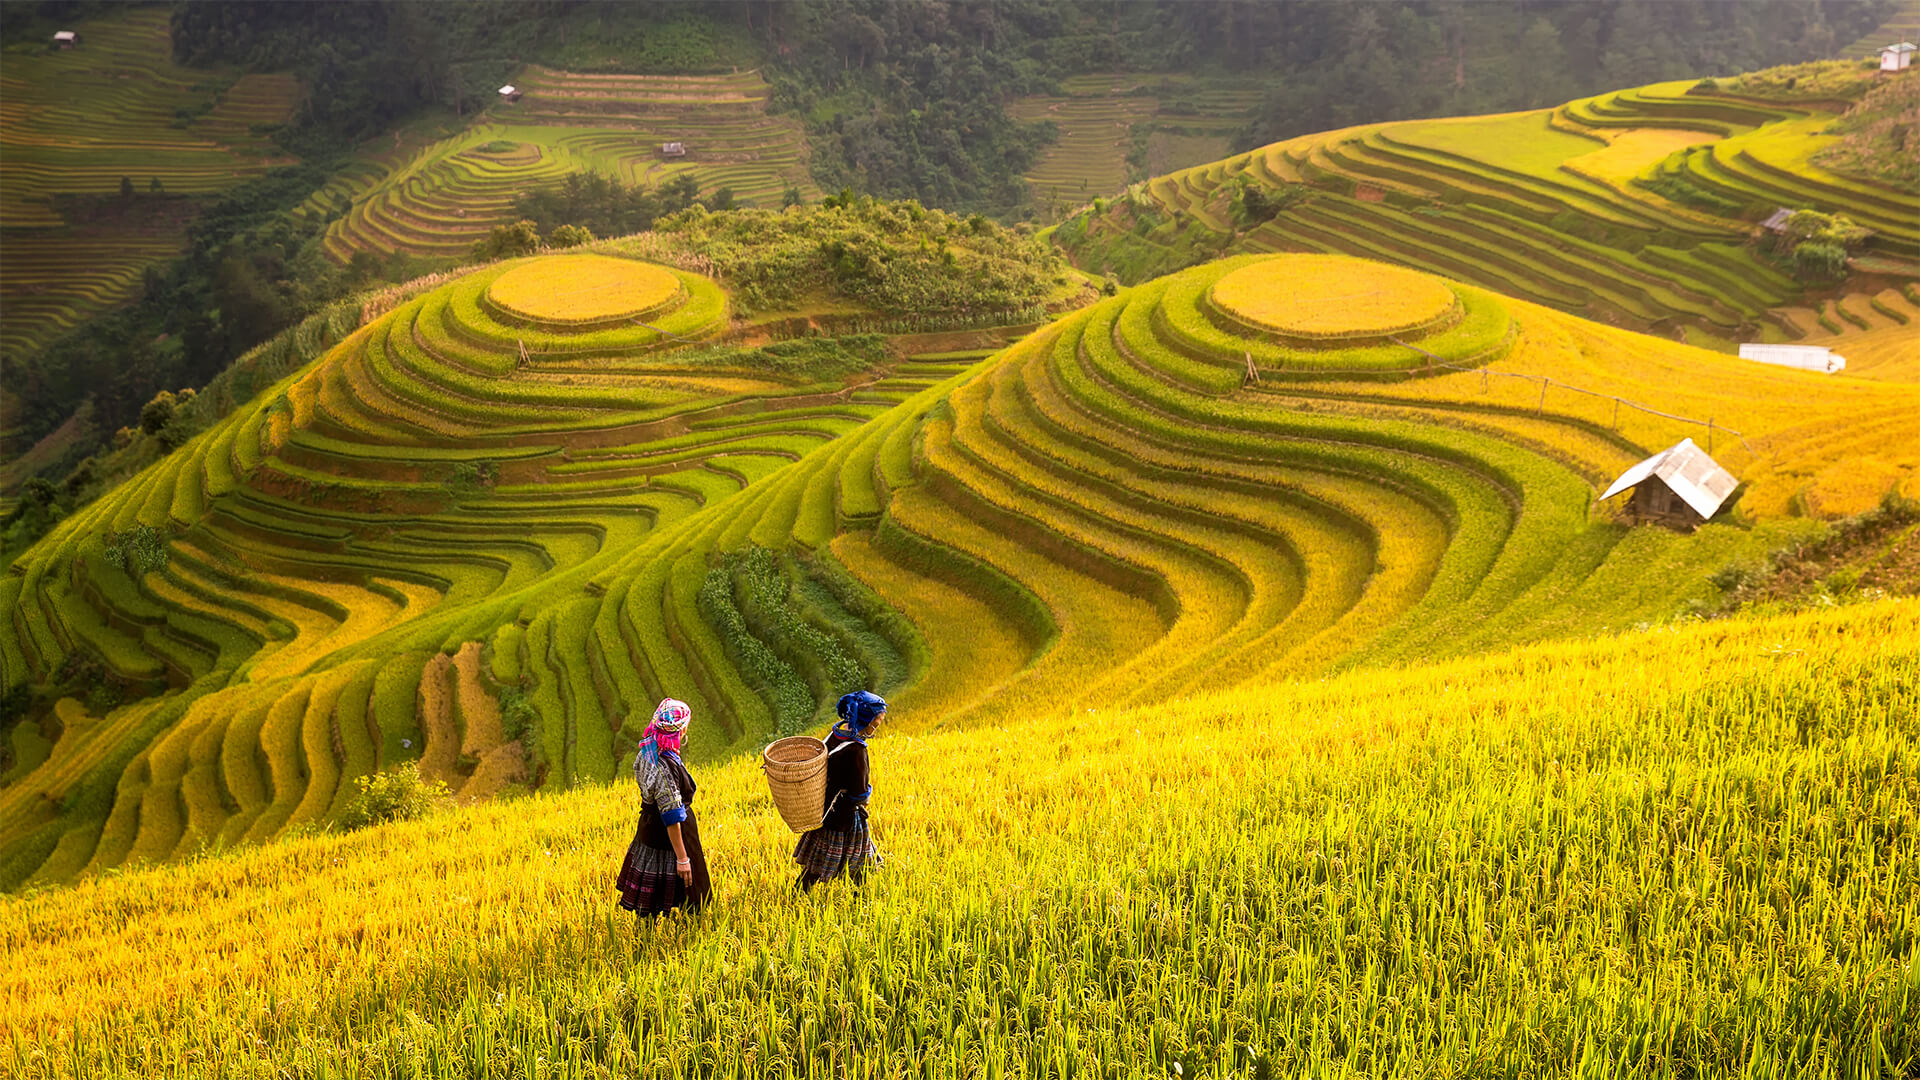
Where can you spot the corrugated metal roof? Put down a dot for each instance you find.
(1699, 480)
(1778, 220)
(509, 89)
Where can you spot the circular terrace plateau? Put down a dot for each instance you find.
(582, 289)
(1333, 298)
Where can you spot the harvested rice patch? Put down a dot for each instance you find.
(1631, 151)
(503, 765)
(441, 759)
(479, 712)
(582, 288)
(1332, 296)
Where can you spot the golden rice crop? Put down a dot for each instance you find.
(1331, 296)
(1793, 422)
(582, 288)
(1523, 863)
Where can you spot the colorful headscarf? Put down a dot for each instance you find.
(664, 732)
(856, 711)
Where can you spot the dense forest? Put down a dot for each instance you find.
(902, 100)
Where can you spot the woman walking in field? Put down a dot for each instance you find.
(841, 846)
(665, 867)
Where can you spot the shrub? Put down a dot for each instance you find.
(139, 550)
(517, 714)
(469, 478)
(400, 794)
(508, 241)
(566, 236)
(155, 414)
(1817, 260)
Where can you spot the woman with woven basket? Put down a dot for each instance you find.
(841, 845)
(665, 867)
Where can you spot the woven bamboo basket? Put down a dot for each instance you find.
(796, 770)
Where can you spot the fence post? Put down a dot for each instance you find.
(1543, 395)
(1616, 414)
(1709, 434)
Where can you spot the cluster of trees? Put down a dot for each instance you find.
(1817, 245)
(895, 257)
(604, 206)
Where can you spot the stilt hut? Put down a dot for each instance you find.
(509, 93)
(65, 39)
(1680, 487)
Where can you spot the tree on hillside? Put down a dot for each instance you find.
(508, 241)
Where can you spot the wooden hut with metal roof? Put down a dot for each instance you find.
(1680, 487)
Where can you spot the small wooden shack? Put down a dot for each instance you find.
(1777, 222)
(509, 92)
(673, 149)
(1897, 57)
(65, 39)
(1680, 487)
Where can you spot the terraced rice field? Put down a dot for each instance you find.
(444, 196)
(1143, 499)
(1186, 121)
(470, 460)
(74, 123)
(1878, 333)
(1549, 206)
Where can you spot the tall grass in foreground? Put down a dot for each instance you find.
(1678, 853)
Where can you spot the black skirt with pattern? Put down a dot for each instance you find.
(826, 854)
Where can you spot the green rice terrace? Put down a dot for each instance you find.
(436, 200)
(492, 526)
(1641, 208)
(1116, 128)
(75, 124)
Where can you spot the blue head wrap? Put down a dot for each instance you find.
(857, 710)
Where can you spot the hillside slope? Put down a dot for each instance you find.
(1673, 853)
(490, 529)
(74, 125)
(448, 194)
(1638, 208)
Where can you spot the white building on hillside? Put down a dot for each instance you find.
(1804, 357)
(509, 92)
(1896, 57)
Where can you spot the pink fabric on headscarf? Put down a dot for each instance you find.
(667, 728)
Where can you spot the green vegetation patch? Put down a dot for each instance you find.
(896, 258)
